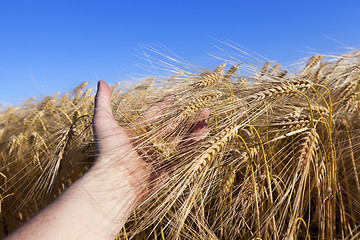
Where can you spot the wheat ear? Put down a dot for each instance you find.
(214, 146)
(196, 104)
(312, 62)
(207, 79)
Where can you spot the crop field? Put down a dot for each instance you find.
(281, 158)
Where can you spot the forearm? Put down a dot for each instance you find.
(94, 207)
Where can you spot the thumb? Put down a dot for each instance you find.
(103, 118)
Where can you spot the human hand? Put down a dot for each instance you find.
(115, 151)
(98, 203)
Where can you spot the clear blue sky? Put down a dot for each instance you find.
(50, 46)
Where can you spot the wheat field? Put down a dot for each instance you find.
(281, 158)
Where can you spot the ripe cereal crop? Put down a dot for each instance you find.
(280, 160)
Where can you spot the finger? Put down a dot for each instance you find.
(103, 119)
(179, 129)
(198, 131)
(155, 111)
(102, 100)
(203, 115)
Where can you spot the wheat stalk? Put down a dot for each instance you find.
(280, 160)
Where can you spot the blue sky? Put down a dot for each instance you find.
(50, 46)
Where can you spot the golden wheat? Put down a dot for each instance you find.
(207, 79)
(281, 158)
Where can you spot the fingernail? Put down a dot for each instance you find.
(98, 84)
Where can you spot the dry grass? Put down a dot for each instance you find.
(281, 158)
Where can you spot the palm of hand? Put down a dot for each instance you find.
(114, 149)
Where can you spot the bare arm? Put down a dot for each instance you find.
(98, 204)
(86, 210)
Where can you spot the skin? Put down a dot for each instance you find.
(99, 203)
